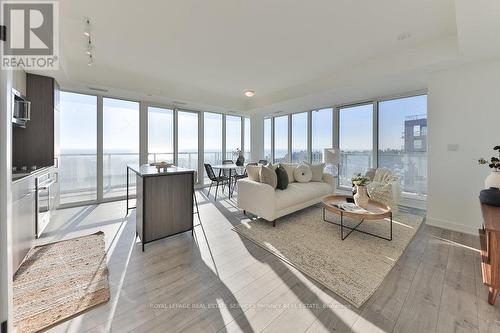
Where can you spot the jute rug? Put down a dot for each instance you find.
(59, 280)
(353, 268)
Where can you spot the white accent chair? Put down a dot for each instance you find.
(384, 187)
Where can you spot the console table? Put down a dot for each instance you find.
(164, 201)
(489, 237)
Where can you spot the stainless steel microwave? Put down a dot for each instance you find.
(21, 109)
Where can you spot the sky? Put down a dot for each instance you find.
(121, 129)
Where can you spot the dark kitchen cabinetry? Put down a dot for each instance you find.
(36, 144)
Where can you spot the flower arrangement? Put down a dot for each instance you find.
(238, 152)
(359, 180)
(494, 162)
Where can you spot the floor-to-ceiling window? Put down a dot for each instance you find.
(281, 139)
(120, 144)
(248, 140)
(160, 135)
(321, 133)
(268, 139)
(402, 141)
(299, 137)
(187, 139)
(78, 148)
(233, 136)
(355, 141)
(212, 139)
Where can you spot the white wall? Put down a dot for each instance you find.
(463, 110)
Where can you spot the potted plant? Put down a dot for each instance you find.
(493, 179)
(491, 195)
(361, 197)
(240, 161)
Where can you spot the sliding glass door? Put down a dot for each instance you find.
(402, 140)
(187, 139)
(248, 140)
(78, 145)
(233, 137)
(299, 137)
(355, 141)
(160, 135)
(120, 144)
(268, 139)
(212, 139)
(281, 139)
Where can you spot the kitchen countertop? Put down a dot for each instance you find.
(17, 176)
(146, 170)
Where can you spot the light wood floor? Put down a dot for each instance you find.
(217, 281)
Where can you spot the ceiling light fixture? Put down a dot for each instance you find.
(249, 93)
(89, 51)
(86, 31)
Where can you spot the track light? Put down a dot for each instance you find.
(86, 31)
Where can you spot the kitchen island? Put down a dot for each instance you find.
(164, 201)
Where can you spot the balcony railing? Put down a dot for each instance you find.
(410, 168)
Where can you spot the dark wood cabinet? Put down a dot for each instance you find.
(164, 202)
(36, 144)
(489, 237)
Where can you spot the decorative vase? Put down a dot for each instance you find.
(361, 197)
(490, 197)
(493, 179)
(240, 161)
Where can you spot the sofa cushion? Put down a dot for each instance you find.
(290, 167)
(268, 175)
(253, 172)
(297, 193)
(282, 178)
(302, 173)
(317, 171)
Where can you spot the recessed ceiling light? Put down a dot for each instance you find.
(249, 93)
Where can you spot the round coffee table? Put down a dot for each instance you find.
(375, 211)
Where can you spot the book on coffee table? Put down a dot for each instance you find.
(351, 207)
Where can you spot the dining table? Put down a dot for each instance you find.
(229, 168)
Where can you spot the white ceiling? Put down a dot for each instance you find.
(295, 54)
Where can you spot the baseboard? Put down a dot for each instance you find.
(452, 226)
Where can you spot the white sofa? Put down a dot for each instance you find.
(270, 204)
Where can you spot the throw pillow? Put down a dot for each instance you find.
(282, 177)
(253, 172)
(268, 176)
(317, 171)
(270, 165)
(289, 167)
(302, 173)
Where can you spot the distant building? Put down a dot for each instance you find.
(415, 134)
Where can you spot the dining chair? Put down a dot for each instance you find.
(215, 179)
(226, 173)
(242, 176)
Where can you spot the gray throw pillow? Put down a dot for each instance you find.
(282, 176)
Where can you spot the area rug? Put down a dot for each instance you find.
(59, 280)
(353, 268)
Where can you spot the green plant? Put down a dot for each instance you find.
(494, 162)
(359, 180)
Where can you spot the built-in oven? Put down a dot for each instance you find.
(44, 202)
